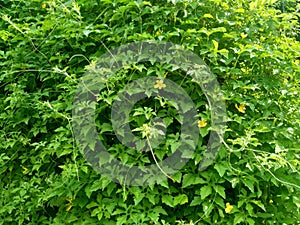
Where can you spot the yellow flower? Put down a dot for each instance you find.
(159, 84)
(271, 201)
(262, 38)
(202, 123)
(243, 35)
(25, 170)
(68, 208)
(241, 108)
(225, 5)
(240, 10)
(228, 207)
(44, 6)
(69, 204)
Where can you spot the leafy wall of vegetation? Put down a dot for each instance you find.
(46, 46)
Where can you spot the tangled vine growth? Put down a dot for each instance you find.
(250, 46)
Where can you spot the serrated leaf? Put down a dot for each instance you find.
(122, 220)
(205, 191)
(91, 188)
(250, 221)
(177, 177)
(160, 210)
(138, 198)
(216, 30)
(249, 208)
(221, 213)
(249, 184)
(204, 131)
(238, 218)
(151, 198)
(259, 204)
(168, 200)
(96, 212)
(180, 199)
(92, 204)
(221, 168)
(196, 201)
(104, 182)
(220, 190)
(240, 203)
(219, 201)
(191, 179)
(164, 183)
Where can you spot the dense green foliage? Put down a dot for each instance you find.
(251, 47)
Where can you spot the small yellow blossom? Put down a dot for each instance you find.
(228, 207)
(208, 16)
(240, 10)
(202, 123)
(271, 201)
(241, 108)
(25, 170)
(159, 84)
(68, 208)
(243, 35)
(69, 204)
(44, 6)
(225, 5)
(262, 38)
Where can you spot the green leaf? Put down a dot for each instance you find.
(168, 200)
(106, 127)
(220, 201)
(221, 213)
(205, 191)
(216, 30)
(249, 209)
(180, 199)
(259, 204)
(177, 176)
(138, 197)
(191, 179)
(238, 218)
(91, 188)
(164, 183)
(204, 131)
(249, 184)
(92, 204)
(96, 211)
(250, 221)
(122, 220)
(160, 210)
(220, 190)
(221, 168)
(196, 201)
(151, 198)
